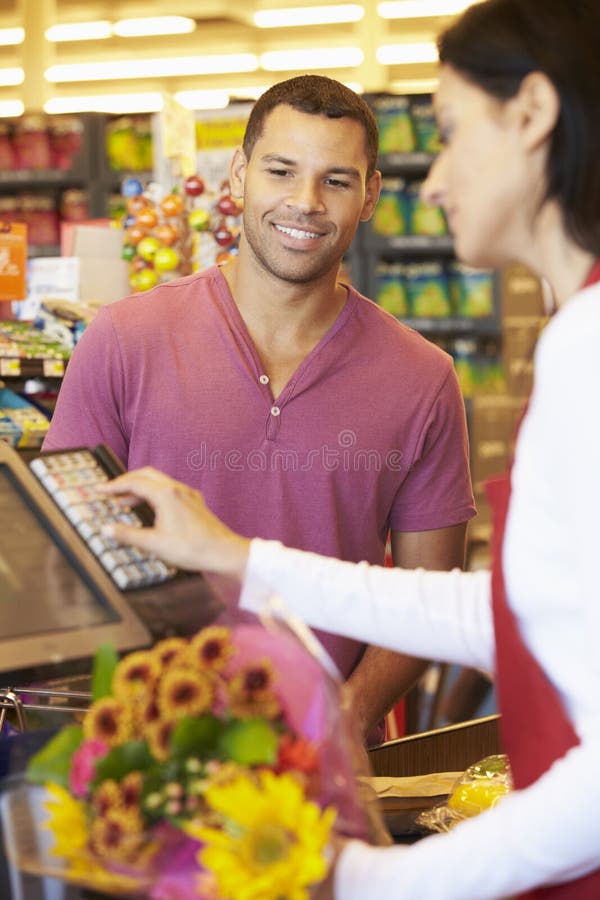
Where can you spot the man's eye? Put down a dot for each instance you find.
(279, 172)
(335, 182)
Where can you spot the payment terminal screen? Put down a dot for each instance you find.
(41, 588)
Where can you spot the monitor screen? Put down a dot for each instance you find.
(41, 588)
(57, 604)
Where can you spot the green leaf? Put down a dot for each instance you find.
(53, 761)
(105, 663)
(250, 742)
(195, 736)
(133, 756)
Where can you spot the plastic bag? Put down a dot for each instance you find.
(480, 787)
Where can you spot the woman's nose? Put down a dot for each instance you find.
(433, 188)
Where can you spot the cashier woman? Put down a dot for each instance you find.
(518, 109)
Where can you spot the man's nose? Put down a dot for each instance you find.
(306, 196)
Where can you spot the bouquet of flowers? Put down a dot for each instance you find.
(218, 766)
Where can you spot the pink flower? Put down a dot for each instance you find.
(83, 766)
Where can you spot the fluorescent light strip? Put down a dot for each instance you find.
(79, 31)
(417, 9)
(11, 36)
(107, 103)
(415, 86)
(400, 54)
(153, 68)
(308, 15)
(10, 108)
(290, 60)
(155, 25)
(11, 76)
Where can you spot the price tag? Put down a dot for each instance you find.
(53, 368)
(10, 367)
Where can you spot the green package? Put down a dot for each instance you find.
(427, 290)
(390, 289)
(391, 215)
(396, 129)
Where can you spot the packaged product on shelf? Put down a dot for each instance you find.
(424, 219)
(471, 290)
(129, 144)
(31, 143)
(390, 289)
(10, 210)
(74, 205)
(7, 153)
(425, 126)
(392, 216)
(21, 424)
(39, 213)
(427, 290)
(66, 140)
(20, 340)
(396, 128)
(478, 367)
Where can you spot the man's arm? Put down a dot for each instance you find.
(381, 676)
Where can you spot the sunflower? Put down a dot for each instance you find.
(173, 650)
(131, 790)
(251, 692)
(273, 842)
(118, 835)
(211, 648)
(158, 735)
(135, 674)
(183, 692)
(108, 720)
(107, 796)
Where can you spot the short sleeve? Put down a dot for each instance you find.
(437, 491)
(88, 410)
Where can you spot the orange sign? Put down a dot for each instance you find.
(13, 260)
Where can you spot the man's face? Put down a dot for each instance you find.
(304, 191)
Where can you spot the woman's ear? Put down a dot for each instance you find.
(237, 173)
(538, 105)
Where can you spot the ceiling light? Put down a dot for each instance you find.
(415, 85)
(107, 103)
(309, 15)
(398, 54)
(290, 60)
(155, 68)
(79, 31)
(11, 76)
(10, 36)
(203, 99)
(11, 108)
(155, 25)
(416, 9)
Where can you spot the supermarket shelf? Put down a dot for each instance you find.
(484, 327)
(409, 244)
(16, 367)
(36, 250)
(33, 177)
(405, 163)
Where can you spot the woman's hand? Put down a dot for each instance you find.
(185, 533)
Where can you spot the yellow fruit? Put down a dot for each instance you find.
(472, 798)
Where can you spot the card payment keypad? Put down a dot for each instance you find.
(71, 478)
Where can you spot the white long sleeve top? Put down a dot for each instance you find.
(549, 832)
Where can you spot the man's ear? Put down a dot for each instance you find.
(237, 173)
(538, 106)
(371, 196)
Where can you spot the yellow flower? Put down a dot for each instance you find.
(171, 651)
(158, 735)
(108, 720)
(211, 648)
(118, 835)
(251, 692)
(183, 692)
(106, 796)
(135, 674)
(273, 843)
(68, 824)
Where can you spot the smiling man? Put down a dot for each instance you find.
(302, 411)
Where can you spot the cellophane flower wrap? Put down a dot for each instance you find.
(219, 766)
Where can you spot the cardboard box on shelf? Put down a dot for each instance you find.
(522, 292)
(103, 275)
(493, 429)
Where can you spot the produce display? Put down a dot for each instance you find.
(161, 231)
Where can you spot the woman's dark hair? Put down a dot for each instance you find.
(495, 44)
(319, 96)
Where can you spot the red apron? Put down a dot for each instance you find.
(535, 729)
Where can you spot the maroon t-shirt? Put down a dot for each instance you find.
(368, 434)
